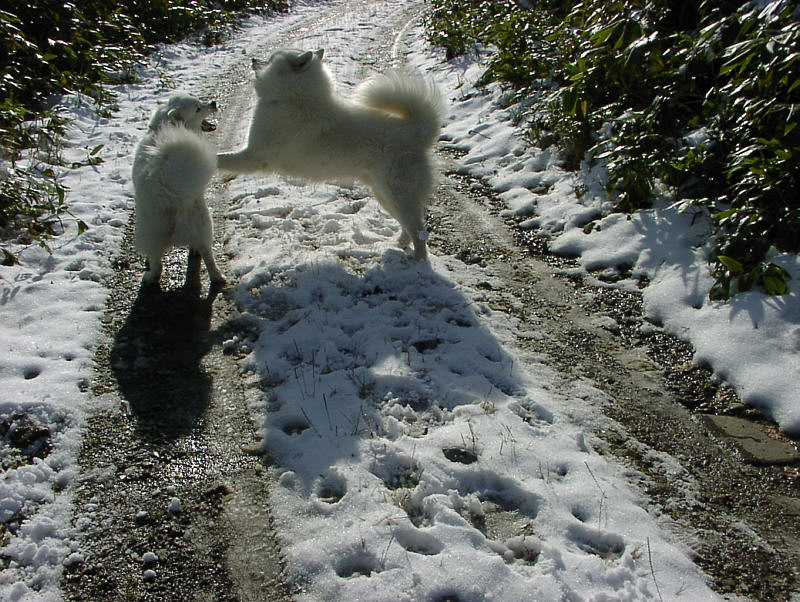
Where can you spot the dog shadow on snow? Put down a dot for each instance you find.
(157, 356)
(351, 357)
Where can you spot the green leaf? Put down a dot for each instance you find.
(725, 214)
(601, 37)
(721, 291)
(732, 264)
(775, 285)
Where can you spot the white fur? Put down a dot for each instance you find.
(171, 169)
(382, 136)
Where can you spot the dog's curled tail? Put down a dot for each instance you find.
(185, 160)
(410, 95)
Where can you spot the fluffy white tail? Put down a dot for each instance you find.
(409, 95)
(185, 162)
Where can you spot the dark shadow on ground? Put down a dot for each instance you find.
(325, 338)
(156, 360)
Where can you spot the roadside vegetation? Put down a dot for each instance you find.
(696, 101)
(50, 48)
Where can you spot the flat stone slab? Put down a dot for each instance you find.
(756, 446)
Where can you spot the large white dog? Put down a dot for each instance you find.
(382, 136)
(171, 169)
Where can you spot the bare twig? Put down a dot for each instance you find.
(652, 571)
(602, 492)
(382, 563)
(311, 424)
(327, 413)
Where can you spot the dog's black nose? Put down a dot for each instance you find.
(214, 104)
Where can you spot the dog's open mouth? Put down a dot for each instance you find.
(207, 126)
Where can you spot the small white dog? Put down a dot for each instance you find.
(381, 137)
(171, 169)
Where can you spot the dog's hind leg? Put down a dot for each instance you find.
(404, 240)
(200, 242)
(411, 222)
(216, 277)
(405, 199)
(192, 270)
(421, 245)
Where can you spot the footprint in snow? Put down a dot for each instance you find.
(293, 425)
(504, 513)
(531, 412)
(397, 471)
(418, 542)
(604, 544)
(331, 488)
(357, 563)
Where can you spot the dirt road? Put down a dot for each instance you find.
(736, 506)
(173, 495)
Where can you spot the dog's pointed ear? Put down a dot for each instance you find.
(258, 64)
(302, 62)
(174, 115)
(319, 53)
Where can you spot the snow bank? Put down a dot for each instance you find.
(752, 342)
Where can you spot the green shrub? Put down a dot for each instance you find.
(51, 47)
(702, 97)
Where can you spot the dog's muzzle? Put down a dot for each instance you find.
(206, 125)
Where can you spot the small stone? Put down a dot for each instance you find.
(73, 559)
(752, 441)
(460, 455)
(253, 449)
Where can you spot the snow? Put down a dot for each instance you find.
(752, 341)
(385, 376)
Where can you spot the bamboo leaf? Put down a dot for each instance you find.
(732, 264)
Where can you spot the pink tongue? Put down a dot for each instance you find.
(207, 126)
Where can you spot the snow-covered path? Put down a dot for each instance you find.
(419, 453)
(419, 456)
